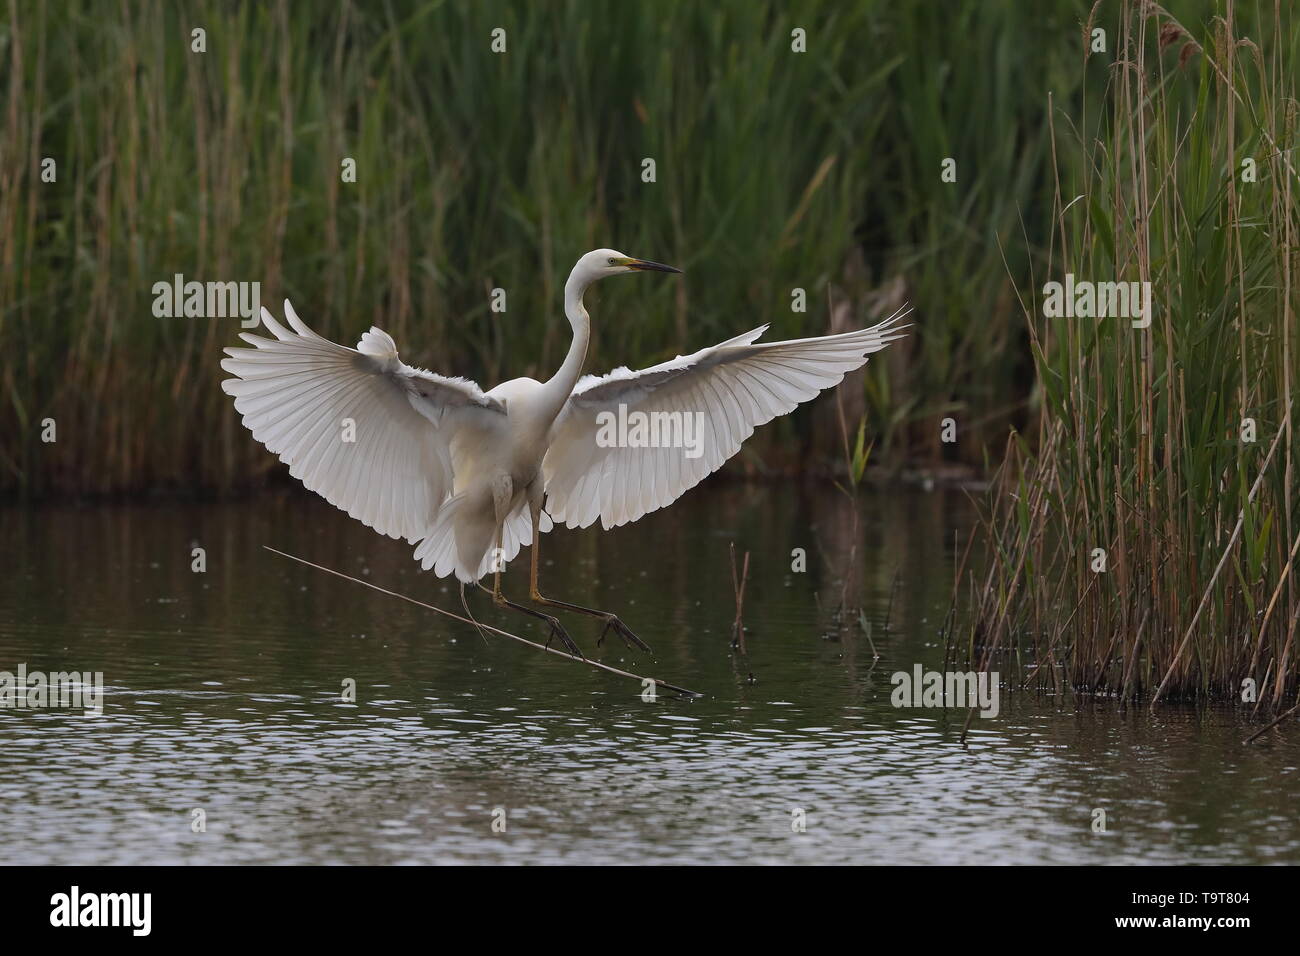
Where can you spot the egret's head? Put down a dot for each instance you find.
(609, 262)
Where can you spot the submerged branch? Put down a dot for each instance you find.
(1271, 724)
(487, 627)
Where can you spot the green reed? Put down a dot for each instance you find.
(1140, 446)
(475, 171)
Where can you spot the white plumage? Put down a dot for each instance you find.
(304, 397)
(734, 387)
(460, 472)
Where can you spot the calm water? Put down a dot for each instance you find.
(223, 693)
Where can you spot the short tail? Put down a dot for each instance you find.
(463, 544)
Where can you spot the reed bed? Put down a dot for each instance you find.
(1142, 541)
(475, 171)
(775, 170)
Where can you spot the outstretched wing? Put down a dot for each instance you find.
(367, 433)
(701, 406)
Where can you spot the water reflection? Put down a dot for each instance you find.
(223, 693)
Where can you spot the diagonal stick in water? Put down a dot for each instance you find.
(1232, 540)
(487, 627)
(1271, 724)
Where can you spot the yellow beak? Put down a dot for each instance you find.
(645, 265)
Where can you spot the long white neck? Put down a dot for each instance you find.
(560, 386)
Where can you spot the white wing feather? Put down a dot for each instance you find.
(736, 385)
(296, 391)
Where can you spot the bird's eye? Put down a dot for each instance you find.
(611, 261)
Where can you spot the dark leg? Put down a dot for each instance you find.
(557, 629)
(611, 620)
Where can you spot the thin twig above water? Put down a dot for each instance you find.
(487, 627)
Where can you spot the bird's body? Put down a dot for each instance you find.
(470, 476)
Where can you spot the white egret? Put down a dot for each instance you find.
(471, 476)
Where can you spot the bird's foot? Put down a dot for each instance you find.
(557, 630)
(623, 631)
